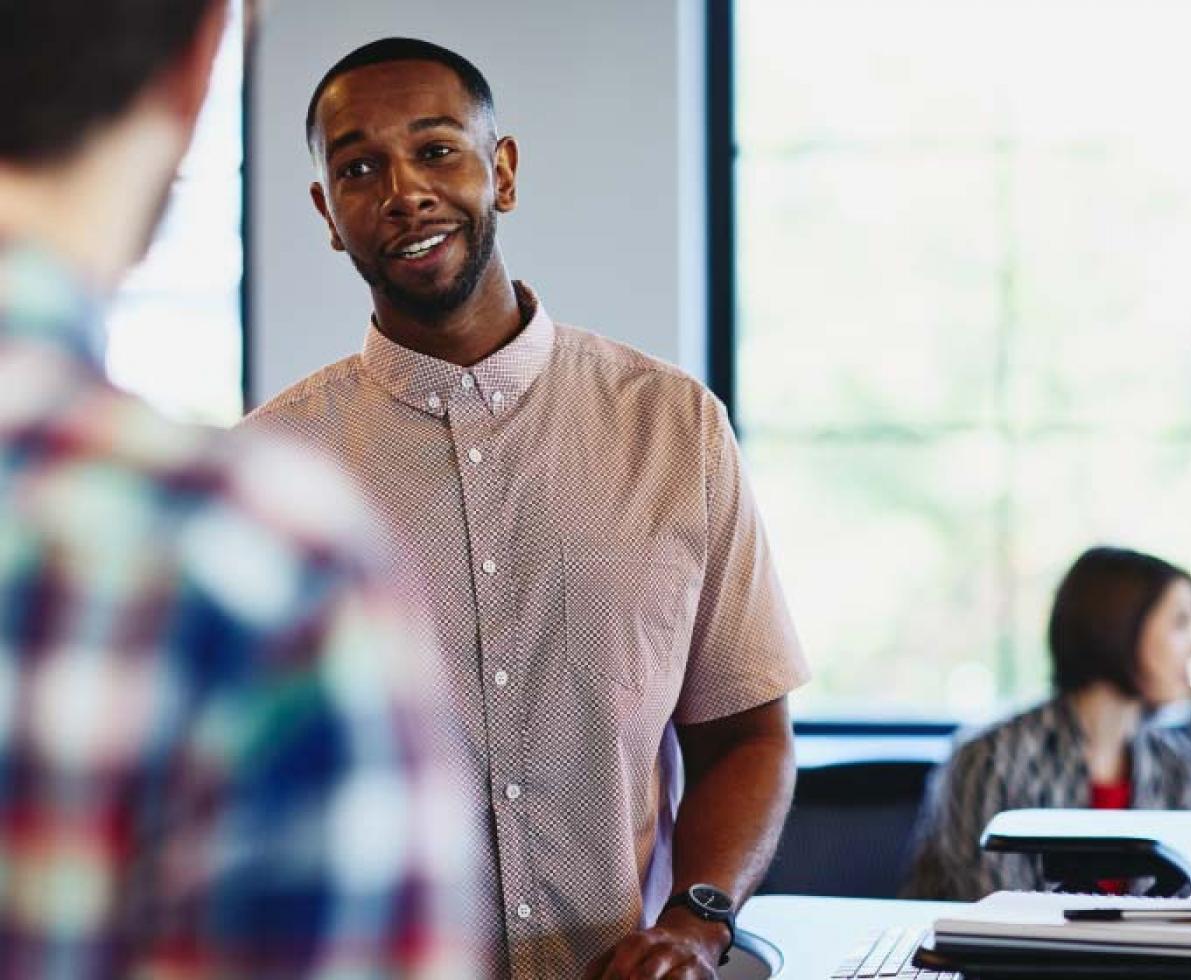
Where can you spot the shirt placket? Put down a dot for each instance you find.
(472, 425)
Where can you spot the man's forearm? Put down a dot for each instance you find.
(740, 778)
(732, 814)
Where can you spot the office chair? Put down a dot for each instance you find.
(849, 831)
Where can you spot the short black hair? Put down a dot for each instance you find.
(68, 66)
(405, 49)
(1099, 610)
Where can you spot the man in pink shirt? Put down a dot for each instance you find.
(593, 562)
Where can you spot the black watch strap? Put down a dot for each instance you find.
(727, 916)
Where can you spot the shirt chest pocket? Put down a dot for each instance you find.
(629, 608)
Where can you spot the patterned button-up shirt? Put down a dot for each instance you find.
(210, 759)
(596, 571)
(1034, 759)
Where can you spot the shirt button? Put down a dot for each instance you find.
(524, 911)
(513, 791)
(489, 567)
(498, 397)
(434, 402)
(468, 382)
(501, 677)
(475, 455)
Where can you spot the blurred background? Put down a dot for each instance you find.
(933, 254)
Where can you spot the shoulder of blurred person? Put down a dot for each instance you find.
(1003, 736)
(213, 745)
(1161, 753)
(1022, 760)
(192, 619)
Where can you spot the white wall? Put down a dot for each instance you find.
(605, 98)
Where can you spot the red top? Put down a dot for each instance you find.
(1112, 796)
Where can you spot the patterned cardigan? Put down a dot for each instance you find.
(1034, 759)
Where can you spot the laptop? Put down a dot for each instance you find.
(907, 953)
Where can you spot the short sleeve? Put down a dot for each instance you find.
(744, 649)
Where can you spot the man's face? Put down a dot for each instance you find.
(413, 177)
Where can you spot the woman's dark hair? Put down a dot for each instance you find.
(404, 49)
(67, 66)
(1099, 610)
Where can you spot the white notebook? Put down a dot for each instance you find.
(1034, 920)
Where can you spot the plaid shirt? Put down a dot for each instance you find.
(209, 762)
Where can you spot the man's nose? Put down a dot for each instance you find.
(408, 191)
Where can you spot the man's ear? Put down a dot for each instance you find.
(506, 174)
(183, 85)
(320, 202)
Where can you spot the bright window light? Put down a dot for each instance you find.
(964, 324)
(175, 335)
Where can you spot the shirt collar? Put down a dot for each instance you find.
(1066, 723)
(501, 379)
(42, 301)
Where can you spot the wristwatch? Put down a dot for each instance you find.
(712, 905)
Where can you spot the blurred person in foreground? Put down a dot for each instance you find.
(599, 580)
(1114, 736)
(209, 756)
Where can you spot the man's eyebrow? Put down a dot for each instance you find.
(433, 122)
(345, 139)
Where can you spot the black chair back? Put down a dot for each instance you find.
(850, 830)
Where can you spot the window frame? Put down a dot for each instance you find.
(842, 737)
(721, 150)
(247, 158)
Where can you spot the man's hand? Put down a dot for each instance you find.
(740, 777)
(680, 947)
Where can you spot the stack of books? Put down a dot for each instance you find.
(1053, 934)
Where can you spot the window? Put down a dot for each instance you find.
(963, 324)
(175, 334)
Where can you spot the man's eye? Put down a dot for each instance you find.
(357, 168)
(435, 151)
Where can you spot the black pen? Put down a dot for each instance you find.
(1175, 914)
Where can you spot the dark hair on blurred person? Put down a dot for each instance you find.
(406, 49)
(1099, 610)
(69, 66)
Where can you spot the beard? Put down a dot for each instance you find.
(480, 239)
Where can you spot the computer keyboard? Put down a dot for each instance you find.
(887, 954)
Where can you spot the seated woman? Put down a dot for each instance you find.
(1120, 643)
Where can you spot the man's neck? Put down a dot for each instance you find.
(92, 209)
(488, 320)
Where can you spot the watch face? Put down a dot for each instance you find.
(712, 899)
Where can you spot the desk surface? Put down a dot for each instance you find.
(815, 934)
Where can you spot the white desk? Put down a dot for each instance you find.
(814, 934)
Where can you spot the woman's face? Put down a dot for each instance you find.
(1164, 647)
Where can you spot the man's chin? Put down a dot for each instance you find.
(430, 304)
